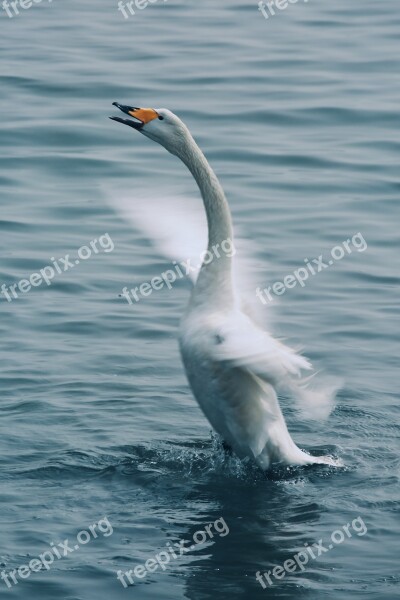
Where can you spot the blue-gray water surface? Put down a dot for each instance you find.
(299, 115)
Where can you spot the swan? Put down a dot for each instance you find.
(235, 368)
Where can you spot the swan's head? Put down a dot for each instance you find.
(160, 125)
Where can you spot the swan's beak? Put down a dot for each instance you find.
(142, 115)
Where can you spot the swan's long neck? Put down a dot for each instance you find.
(216, 276)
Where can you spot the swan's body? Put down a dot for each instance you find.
(234, 367)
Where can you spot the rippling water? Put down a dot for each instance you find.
(299, 115)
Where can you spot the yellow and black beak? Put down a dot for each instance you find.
(141, 115)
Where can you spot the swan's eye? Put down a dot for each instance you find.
(161, 118)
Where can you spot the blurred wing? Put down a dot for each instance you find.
(177, 227)
(242, 344)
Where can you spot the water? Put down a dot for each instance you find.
(299, 116)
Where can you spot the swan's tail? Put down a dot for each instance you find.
(292, 455)
(320, 460)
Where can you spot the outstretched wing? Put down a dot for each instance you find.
(176, 226)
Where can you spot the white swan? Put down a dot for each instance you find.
(234, 367)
